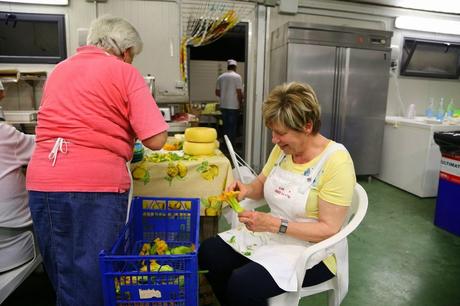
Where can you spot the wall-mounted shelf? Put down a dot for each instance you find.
(14, 75)
(172, 99)
(21, 116)
(30, 77)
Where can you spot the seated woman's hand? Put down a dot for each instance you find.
(238, 186)
(256, 221)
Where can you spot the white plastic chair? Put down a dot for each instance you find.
(241, 170)
(244, 173)
(337, 286)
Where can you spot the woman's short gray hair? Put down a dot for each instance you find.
(115, 35)
(292, 105)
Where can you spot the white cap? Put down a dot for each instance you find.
(231, 62)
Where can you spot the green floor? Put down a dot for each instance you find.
(397, 257)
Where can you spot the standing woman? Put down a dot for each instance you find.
(308, 184)
(94, 105)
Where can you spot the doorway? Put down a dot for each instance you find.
(205, 64)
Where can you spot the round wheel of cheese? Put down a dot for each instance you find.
(200, 134)
(197, 148)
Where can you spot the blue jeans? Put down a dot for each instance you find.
(72, 228)
(230, 123)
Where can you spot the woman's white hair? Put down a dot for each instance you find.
(115, 35)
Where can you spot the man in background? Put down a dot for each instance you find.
(229, 89)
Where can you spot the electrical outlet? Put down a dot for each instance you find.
(394, 65)
(180, 84)
(289, 6)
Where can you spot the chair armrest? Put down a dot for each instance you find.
(331, 244)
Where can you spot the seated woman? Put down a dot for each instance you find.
(308, 184)
(15, 151)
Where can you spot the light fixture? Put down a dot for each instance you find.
(428, 25)
(446, 6)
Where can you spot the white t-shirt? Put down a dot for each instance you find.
(15, 151)
(228, 82)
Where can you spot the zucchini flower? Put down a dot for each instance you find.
(231, 198)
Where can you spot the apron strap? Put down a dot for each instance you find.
(319, 166)
(60, 145)
(280, 159)
(131, 190)
(278, 162)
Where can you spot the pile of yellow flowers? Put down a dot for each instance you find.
(160, 247)
(178, 169)
(163, 204)
(212, 204)
(166, 157)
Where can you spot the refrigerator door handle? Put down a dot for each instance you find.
(335, 97)
(341, 90)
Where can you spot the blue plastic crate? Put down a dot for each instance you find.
(173, 280)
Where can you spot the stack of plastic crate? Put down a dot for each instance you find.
(129, 278)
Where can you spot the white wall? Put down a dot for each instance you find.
(78, 15)
(417, 90)
(159, 25)
(20, 96)
(156, 21)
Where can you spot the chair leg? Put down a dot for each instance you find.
(333, 298)
(285, 299)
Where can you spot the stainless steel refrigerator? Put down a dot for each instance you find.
(349, 70)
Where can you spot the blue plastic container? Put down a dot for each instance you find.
(447, 215)
(175, 220)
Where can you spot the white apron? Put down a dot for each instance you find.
(286, 193)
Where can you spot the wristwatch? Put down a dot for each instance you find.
(283, 226)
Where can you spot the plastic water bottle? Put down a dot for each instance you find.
(441, 112)
(430, 108)
(450, 109)
(411, 112)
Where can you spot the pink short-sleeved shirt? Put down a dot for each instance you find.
(97, 104)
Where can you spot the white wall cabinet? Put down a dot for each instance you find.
(410, 157)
